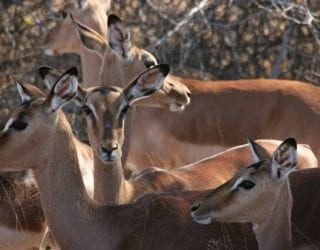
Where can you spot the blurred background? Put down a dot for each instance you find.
(204, 39)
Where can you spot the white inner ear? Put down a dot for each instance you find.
(63, 91)
(65, 87)
(24, 96)
(284, 171)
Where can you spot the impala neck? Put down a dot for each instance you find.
(110, 186)
(85, 158)
(63, 196)
(90, 64)
(275, 233)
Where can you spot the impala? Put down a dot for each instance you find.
(92, 13)
(106, 109)
(22, 223)
(221, 114)
(10, 235)
(259, 194)
(76, 221)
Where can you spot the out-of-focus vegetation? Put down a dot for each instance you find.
(206, 39)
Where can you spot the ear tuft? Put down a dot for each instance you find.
(290, 142)
(72, 71)
(113, 19)
(44, 70)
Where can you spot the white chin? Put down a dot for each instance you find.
(204, 221)
(176, 108)
(48, 52)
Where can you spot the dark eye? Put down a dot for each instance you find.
(19, 125)
(63, 14)
(149, 64)
(86, 110)
(247, 185)
(124, 111)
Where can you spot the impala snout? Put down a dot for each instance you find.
(110, 152)
(198, 215)
(181, 97)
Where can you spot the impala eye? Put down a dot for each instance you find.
(149, 64)
(85, 109)
(63, 14)
(124, 111)
(19, 125)
(247, 185)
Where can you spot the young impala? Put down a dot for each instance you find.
(221, 114)
(44, 144)
(261, 194)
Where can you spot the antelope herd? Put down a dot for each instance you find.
(183, 141)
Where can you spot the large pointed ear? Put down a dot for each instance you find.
(146, 83)
(27, 92)
(258, 152)
(91, 39)
(64, 89)
(118, 36)
(284, 159)
(49, 75)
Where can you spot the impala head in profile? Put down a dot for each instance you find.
(121, 62)
(252, 193)
(30, 124)
(259, 194)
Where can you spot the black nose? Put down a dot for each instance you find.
(195, 207)
(189, 94)
(109, 150)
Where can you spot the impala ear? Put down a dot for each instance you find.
(49, 75)
(118, 36)
(64, 89)
(27, 92)
(146, 83)
(284, 159)
(81, 96)
(258, 152)
(91, 39)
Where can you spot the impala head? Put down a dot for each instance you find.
(106, 108)
(62, 38)
(252, 193)
(121, 62)
(32, 126)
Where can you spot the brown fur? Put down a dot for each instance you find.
(155, 221)
(221, 113)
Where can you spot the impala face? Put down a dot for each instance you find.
(106, 109)
(26, 132)
(251, 194)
